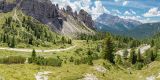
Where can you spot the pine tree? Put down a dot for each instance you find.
(69, 41)
(34, 53)
(13, 43)
(133, 57)
(118, 59)
(139, 57)
(108, 50)
(152, 43)
(63, 39)
(152, 56)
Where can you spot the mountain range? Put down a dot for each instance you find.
(125, 27)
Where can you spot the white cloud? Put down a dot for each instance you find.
(148, 20)
(98, 9)
(115, 11)
(95, 11)
(130, 12)
(133, 12)
(125, 3)
(76, 5)
(116, 0)
(119, 0)
(137, 18)
(127, 13)
(152, 12)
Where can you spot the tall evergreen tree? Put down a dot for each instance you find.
(139, 57)
(133, 57)
(108, 50)
(34, 53)
(63, 39)
(13, 43)
(152, 43)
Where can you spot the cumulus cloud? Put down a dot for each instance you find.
(133, 12)
(95, 11)
(130, 12)
(125, 3)
(116, 0)
(76, 5)
(152, 12)
(115, 12)
(127, 13)
(98, 9)
(139, 18)
(132, 17)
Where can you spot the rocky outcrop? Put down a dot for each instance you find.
(69, 10)
(6, 6)
(86, 18)
(44, 11)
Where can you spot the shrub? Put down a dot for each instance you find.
(13, 60)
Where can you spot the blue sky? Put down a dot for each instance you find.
(141, 10)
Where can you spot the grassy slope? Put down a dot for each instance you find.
(17, 14)
(74, 72)
(69, 71)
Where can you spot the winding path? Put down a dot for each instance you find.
(40, 51)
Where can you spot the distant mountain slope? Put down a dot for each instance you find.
(126, 27)
(115, 23)
(144, 30)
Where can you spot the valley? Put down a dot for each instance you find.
(70, 71)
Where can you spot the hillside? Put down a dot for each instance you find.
(62, 21)
(39, 23)
(19, 30)
(146, 30)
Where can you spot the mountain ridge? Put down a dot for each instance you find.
(126, 27)
(50, 14)
(116, 23)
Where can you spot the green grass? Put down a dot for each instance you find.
(73, 72)
(69, 71)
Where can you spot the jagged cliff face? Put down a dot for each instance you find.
(86, 18)
(60, 20)
(7, 5)
(44, 11)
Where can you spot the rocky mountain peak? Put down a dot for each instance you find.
(48, 13)
(86, 18)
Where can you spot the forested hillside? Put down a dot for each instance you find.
(20, 30)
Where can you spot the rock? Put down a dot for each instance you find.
(42, 75)
(86, 18)
(44, 11)
(143, 48)
(90, 77)
(75, 15)
(151, 78)
(69, 10)
(100, 69)
(6, 6)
